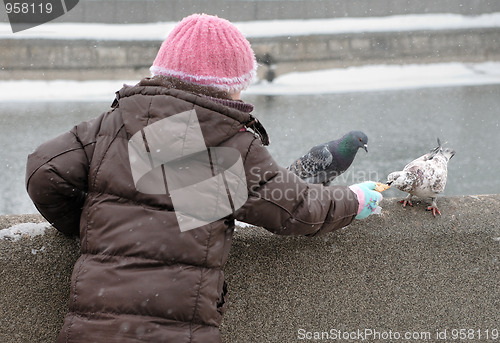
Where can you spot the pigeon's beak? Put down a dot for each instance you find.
(389, 183)
(365, 147)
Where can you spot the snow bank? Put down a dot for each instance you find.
(397, 23)
(16, 232)
(256, 29)
(354, 79)
(381, 77)
(242, 225)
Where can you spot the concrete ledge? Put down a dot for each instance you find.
(35, 275)
(402, 271)
(91, 59)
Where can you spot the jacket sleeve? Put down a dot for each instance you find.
(57, 173)
(282, 203)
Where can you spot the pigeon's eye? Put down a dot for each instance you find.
(360, 139)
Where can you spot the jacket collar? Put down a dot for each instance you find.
(208, 97)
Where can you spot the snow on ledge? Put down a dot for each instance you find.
(255, 29)
(380, 77)
(16, 232)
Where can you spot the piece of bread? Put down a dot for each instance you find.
(380, 187)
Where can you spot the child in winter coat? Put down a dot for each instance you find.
(153, 187)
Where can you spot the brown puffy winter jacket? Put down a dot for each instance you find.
(139, 278)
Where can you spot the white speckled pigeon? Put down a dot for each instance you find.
(424, 177)
(324, 162)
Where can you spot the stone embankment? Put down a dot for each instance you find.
(400, 272)
(109, 59)
(85, 59)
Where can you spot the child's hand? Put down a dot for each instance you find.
(368, 198)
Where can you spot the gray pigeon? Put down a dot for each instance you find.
(424, 177)
(324, 162)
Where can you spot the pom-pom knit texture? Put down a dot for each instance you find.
(208, 51)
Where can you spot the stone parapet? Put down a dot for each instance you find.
(111, 59)
(402, 271)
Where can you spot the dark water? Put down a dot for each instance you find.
(401, 125)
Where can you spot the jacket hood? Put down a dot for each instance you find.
(157, 98)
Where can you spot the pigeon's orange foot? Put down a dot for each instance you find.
(434, 210)
(406, 202)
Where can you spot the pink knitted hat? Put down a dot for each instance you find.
(207, 50)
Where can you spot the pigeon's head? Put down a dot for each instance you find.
(358, 139)
(393, 177)
(402, 180)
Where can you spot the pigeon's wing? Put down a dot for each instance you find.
(312, 163)
(320, 158)
(428, 175)
(417, 162)
(414, 172)
(437, 179)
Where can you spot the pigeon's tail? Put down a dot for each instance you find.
(435, 150)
